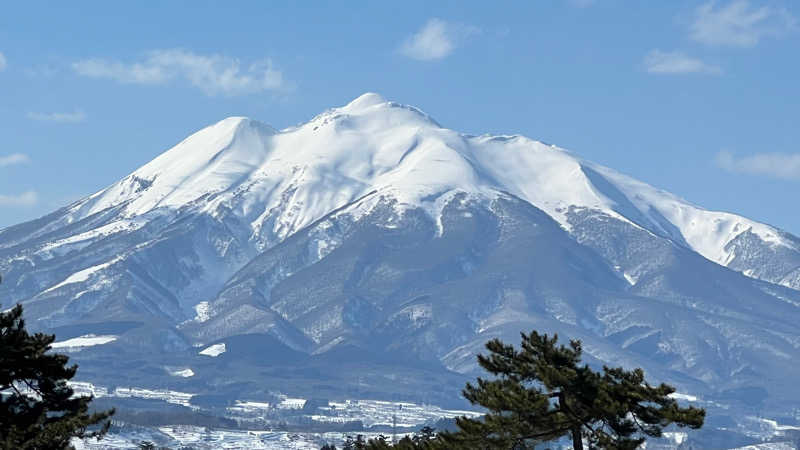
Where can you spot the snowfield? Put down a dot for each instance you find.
(174, 397)
(370, 412)
(183, 373)
(213, 350)
(88, 340)
(202, 438)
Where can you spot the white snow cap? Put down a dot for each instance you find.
(364, 101)
(292, 177)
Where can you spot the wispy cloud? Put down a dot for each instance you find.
(775, 165)
(73, 117)
(677, 63)
(436, 40)
(14, 158)
(3, 62)
(213, 74)
(739, 24)
(25, 199)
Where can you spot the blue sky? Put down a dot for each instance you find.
(699, 98)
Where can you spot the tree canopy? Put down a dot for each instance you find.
(541, 392)
(425, 439)
(38, 409)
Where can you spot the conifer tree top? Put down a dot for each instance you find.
(38, 409)
(541, 392)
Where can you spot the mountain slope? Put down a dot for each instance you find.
(275, 183)
(372, 231)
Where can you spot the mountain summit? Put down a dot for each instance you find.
(375, 145)
(371, 235)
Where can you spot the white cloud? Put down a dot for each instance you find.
(73, 117)
(436, 40)
(738, 24)
(774, 165)
(14, 158)
(25, 199)
(213, 74)
(676, 63)
(3, 63)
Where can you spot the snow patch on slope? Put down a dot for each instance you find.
(183, 373)
(88, 340)
(82, 275)
(213, 350)
(202, 312)
(81, 240)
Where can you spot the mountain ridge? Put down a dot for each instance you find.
(416, 160)
(372, 229)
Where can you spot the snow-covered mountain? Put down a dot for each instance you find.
(371, 236)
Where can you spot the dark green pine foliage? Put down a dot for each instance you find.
(424, 440)
(355, 444)
(37, 407)
(542, 393)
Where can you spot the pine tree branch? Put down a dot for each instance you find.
(36, 389)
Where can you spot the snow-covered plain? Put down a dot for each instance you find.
(368, 412)
(201, 438)
(377, 412)
(769, 446)
(166, 395)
